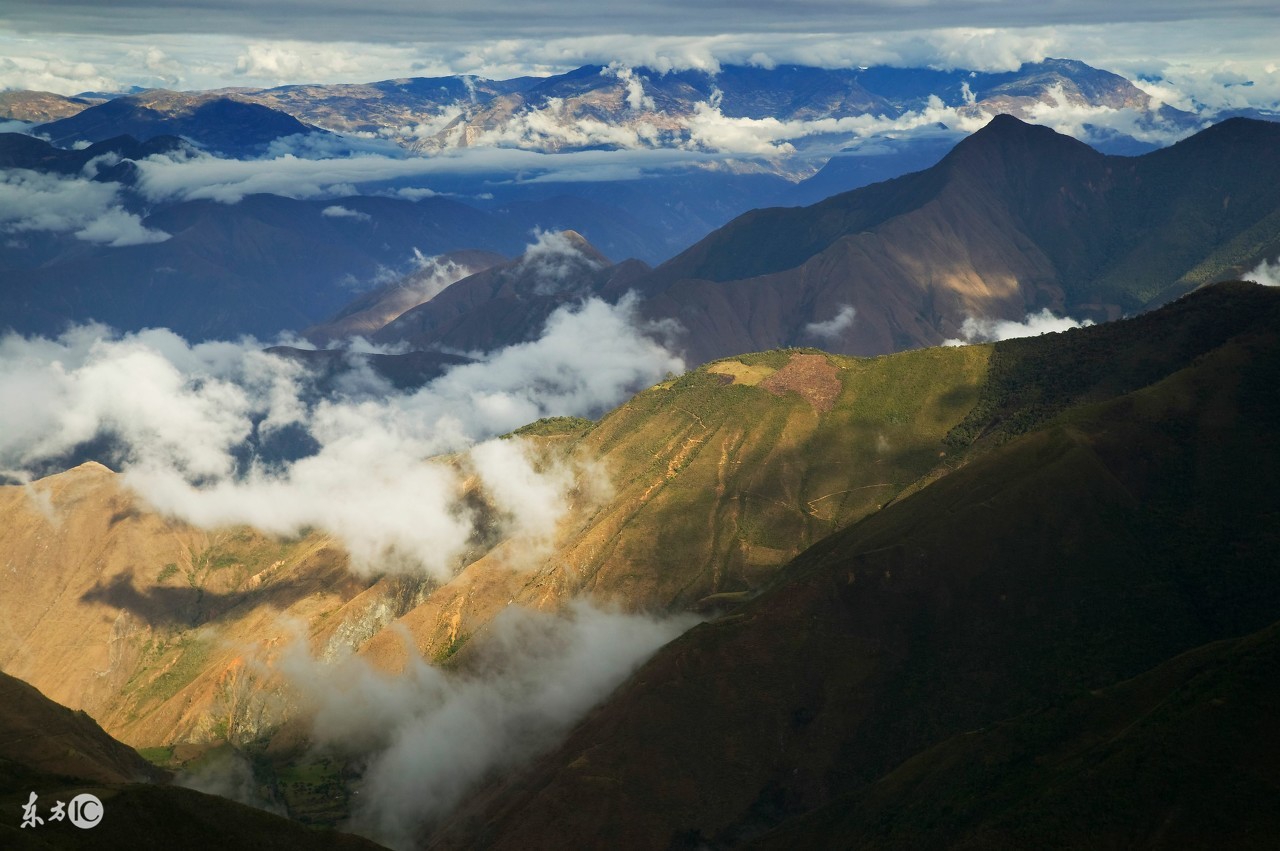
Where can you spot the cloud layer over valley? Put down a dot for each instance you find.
(221, 433)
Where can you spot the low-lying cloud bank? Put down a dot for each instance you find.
(33, 202)
(191, 427)
(983, 330)
(432, 735)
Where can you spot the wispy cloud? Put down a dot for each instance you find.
(833, 329)
(430, 735)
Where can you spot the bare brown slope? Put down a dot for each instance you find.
(41, 106)
(1015, 219)
(1072, 558)
(147, 623)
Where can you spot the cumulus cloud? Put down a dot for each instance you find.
(833, 328)
(434, 735)
(192, 425)
(1265, 273)
(31, 201)
(983, 330)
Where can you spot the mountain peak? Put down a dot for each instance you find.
(1007, 137)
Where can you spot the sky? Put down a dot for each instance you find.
(1222, 53)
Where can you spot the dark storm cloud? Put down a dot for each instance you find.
(400, 20)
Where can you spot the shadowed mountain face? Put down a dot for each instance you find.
(43, 736)
(377, 308)
(510, 303)
(957, 667)
(56, 754)
(221, 124)
(1014, 220)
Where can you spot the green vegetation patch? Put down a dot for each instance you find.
(554, 427)
(191, 660)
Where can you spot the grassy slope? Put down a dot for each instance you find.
(1078, 555)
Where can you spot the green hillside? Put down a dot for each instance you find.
(1089, 549)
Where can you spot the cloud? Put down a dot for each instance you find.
(337, 211)
(491, 22)
(13, 126)
(982, 330)
(1267, 274)
(117, 228)
(556, 262)
(433, 735)
(1082, 120)
(169, 178)
(31, 201)
(833, 328)
(192, 427)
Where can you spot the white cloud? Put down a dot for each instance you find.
(555, 262)
(1267, 274)
(983, 330)
(337, 211)
(1078, 120)
(166, 178)
(711, 130)
(117, 228)
(833, 328)
(432, 735)
(12, 126)
(178, 415)
(31, 201)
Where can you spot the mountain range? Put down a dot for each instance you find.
(618, 107)
(892, 553)
(1069, 640)
(1016, 219)
(873, 565)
